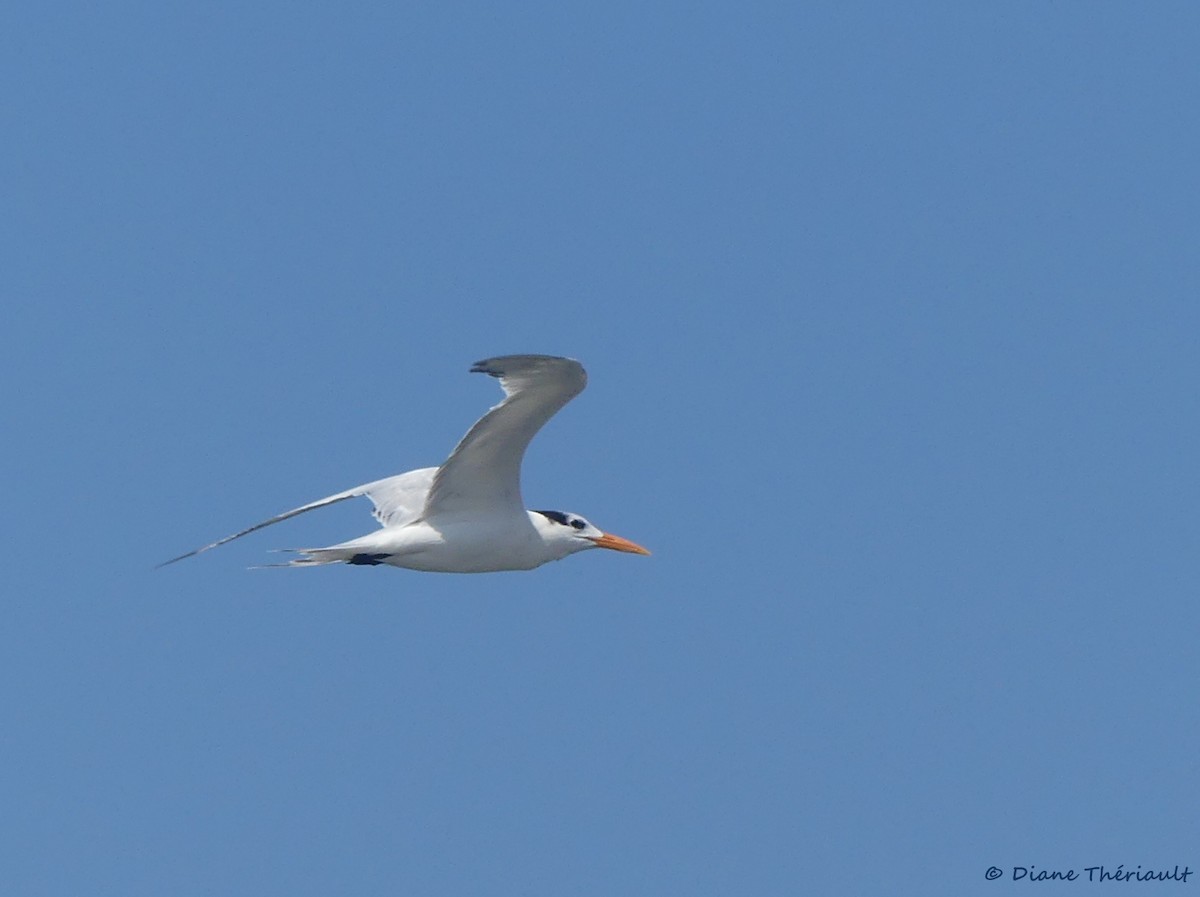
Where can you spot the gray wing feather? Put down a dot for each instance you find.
(398, 500)
(483, 473)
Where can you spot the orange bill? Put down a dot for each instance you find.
(616, 543)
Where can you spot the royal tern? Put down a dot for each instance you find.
(467, 515)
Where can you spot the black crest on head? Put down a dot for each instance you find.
(561, 518)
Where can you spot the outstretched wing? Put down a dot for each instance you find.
(398, 500)
(482, 476)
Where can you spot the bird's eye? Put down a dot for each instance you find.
(578, 524)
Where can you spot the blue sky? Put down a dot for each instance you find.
(891, 320)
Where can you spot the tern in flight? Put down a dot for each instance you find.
(467, 515)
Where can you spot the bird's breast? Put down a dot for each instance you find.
(472, 546)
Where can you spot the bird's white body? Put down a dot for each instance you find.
(462, 546)
(467, 516)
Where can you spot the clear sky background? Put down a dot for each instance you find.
(891, 317)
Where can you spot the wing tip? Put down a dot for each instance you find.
(499, 365)
(183, 557)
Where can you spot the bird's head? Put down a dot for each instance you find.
(566, 533)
